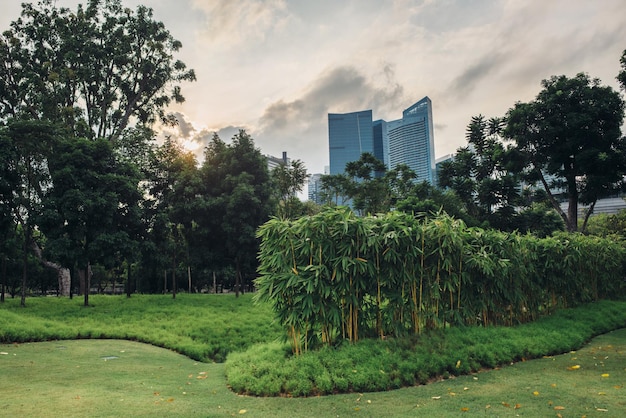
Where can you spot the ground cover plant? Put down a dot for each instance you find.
(378, 365)
(203, 327)
(81, 378)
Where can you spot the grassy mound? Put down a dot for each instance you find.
(269, 369)
(203, 327)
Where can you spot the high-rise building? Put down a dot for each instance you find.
(349, 136)
(409, 140)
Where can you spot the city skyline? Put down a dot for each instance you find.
(277, 68)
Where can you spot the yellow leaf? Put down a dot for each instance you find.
(518, 406)
(605, 375)
(242, 411)
(190, 376)
(536, 393)
(506, 405)
(156, 393)
(170, 399)
(436, 398)
(576, 367)
(458, 364)
(553, 385)
(601, 393)
(464, 409)
(602, 410)
(357, 409)
(452, 394)
(294, 271)
(559, 408)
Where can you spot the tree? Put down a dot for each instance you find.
(236, 198)
(95, 69)
(621, 77)
(480, 176)
(288, 180)
(368, 189)
(88, 214)
(571, 131)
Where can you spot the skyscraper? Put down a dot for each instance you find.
(349, 136)
(409, 140)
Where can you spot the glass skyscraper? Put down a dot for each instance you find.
(349, 136)
(409, 140)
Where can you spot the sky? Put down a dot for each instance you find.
(276, 68)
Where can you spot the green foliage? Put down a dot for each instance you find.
(571, 131)
(377, 365)
(288, 180)
(335, 276)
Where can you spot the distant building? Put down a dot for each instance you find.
(315, 188)
(273, 162)
(349, 136)
(411, 140)
(408, 141)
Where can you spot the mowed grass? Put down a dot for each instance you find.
(80, 378)
(203, 327)
(107, 376)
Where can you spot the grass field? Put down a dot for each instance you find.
(113, 377)
(79, 378)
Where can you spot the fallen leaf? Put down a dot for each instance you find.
(601, 393)
(202, 377)
(536, 393)
(465, 388)
(4, 353)
(576, 367)
(458, 364)
(464, 409)
(357, 409)
(156, 393)
(506, 405)
(559, 408)
(436, 398)
(518, 406)
(553, 385)
(602, 410)
(170, 399)
(190, 376)
(605, 375)
(202, 373)
(368, 401)
(451, 393)
(242, 411)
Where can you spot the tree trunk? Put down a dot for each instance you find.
(214, 284)
(25, 263)
(587, 215)
(128, 275)
(4, 278)
(63, 273)
(189, 277)
(87, 287)
(237, 280)
(174, 283)
(572, 213)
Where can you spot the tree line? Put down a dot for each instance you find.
(85, 189)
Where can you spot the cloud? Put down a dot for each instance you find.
(473, 76)
(340, 89)
(234, 22)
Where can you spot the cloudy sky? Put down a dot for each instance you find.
(277, 67)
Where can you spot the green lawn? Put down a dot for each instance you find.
(74, 379)
(110, 376)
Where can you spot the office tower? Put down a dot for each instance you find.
(349, 136)
(410, 141)
(315, 188)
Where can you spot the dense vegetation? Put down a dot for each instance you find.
(336, 276)
(374, 365)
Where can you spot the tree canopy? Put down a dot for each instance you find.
(571, 132)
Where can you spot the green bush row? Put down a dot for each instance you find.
(375, 365)
(335, 276)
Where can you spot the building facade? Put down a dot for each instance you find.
(349, 136)
(409, 140)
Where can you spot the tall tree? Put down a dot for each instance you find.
(621, 77)
(236, 195)
(571, 131)
(288, 180)
(88, 214)
(479, 174)
(97, 68)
